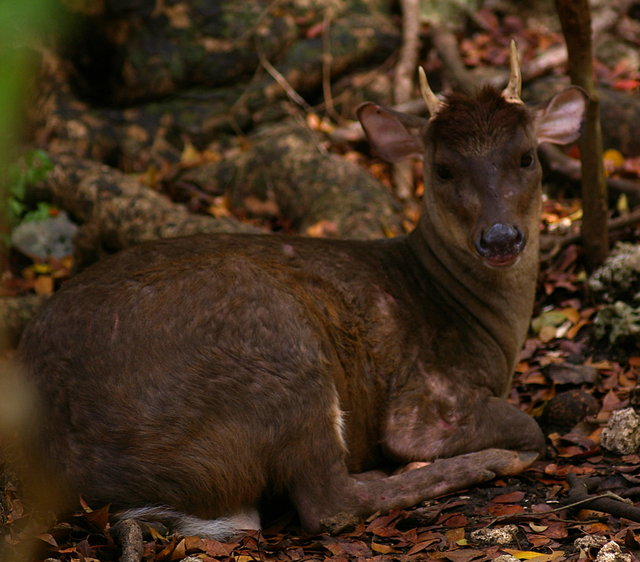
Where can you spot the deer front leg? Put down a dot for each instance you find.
(425, 427)
(327, 497)
(361, 498)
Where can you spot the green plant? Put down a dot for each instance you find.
(34, 167)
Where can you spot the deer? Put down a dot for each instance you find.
(187, 381)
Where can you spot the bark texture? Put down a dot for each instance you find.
(575, 18)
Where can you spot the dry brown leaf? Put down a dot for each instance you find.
(43, 285)
(511, 497)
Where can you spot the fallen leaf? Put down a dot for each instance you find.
(612, 159)
(556, 530)
(49, 539)
(562, 471)
(455, 535)
(217, 548)
(381, 548)
(219, 207)
(190, 155)
(99, 517)
(505, 509)
(628, 84)
(611, 402)
(567, 373)
(537, 541)
(43, 285)
(462, 555)
(511, 497)
(419, 547)
(322, 229)
(261, 208)
(531, 555)
(547, 333)
(455, 520)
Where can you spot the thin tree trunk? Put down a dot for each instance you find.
(575, 18)
(403, 84)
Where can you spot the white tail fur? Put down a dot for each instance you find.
(220, 529)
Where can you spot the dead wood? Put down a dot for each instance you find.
(288, 168)
(556, 55)
(117, 210)
(579, 494)
(619, 112)
(551, 245)
(122, 114)
(156, 51)
(129, 534)
(319, 193)
(446, 43)
(571, 168)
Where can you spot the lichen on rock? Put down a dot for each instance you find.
(618, 281)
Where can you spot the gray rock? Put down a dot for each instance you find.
(51, 237)
(622, 433)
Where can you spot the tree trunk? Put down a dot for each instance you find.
(403, 85)
(575, 18)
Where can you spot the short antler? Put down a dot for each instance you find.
(430, 99)
(512, 92)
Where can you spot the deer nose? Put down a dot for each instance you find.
(501, 244)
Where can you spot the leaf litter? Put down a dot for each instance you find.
(558, 360)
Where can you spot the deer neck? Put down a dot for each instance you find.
(496, 303)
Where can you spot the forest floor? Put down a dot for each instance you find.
(567, 506)
(565, 377)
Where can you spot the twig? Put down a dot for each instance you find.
(559, 162)
(606, 495)
(259, 19)
(327, 59)
(553, 57)
(552, 245)
(280, 79)
(353, 131)
(607, 502)
(556, 55)
(446, 44)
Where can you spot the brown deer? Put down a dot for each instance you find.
(187, 380)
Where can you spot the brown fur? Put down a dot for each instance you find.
(474, 124)
(201, 373)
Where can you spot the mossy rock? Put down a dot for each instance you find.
(618, 280)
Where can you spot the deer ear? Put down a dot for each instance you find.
(387, 135)
(560, 120)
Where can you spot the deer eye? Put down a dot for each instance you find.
(526, 159)
(443, 172)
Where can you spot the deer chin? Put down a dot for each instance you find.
(501, 262)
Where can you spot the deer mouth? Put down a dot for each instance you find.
(501, 262)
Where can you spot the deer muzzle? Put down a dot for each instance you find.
(501, 244)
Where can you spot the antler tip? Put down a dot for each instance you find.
(430, 99)
(513, 90)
